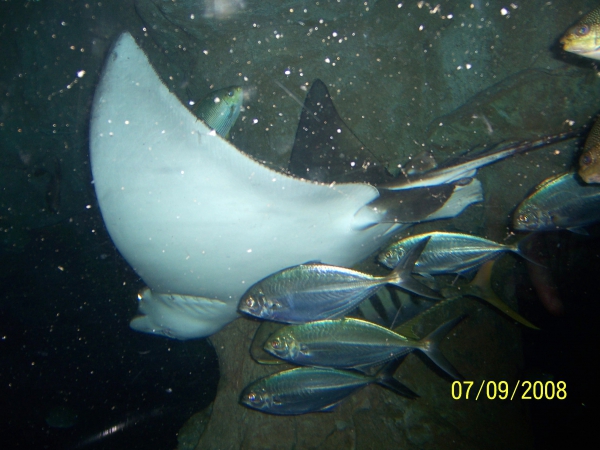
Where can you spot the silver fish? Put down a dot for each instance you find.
(560, 202)
(466, 166)
(309, 389)
(354, 343)
(220, 109)
(446, 252)
(309, 292)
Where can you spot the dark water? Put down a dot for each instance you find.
(66, 342)
(67, 296)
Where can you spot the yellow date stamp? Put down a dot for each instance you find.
(501, 390)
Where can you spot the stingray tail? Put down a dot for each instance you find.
(402, 277)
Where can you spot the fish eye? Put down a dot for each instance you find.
(523, 218)
(252, 397)
(250, 302)
(230, 94)
(276, 344)
(582, 30)
(586, 159)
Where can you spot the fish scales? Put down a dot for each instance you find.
(445, 252)
(220, 109)
(300, 288)
(310, 292)
(354, 343)
(559, 202)
(302, 390)
(589, 162)
(344, 343)
(583, 38)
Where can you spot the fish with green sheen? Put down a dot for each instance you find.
(354, 343)
(314, 291)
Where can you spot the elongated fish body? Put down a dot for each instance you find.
(310, 389)
(445, 252)
(353, 343)
(583, 38)
(589, 162)
(309, 292)
(560, 202)
(341, 344)
(220, 109)
(468, 165)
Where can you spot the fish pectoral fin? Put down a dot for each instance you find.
(414, 286)
(330, 408)
(579, 230)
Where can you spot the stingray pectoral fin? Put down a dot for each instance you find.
(180, 316)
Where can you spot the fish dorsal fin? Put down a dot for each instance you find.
(326, 150)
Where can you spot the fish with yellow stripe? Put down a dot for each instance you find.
(583, 38)
(589, 161)
(220, 109)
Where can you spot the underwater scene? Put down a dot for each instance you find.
(243, 224)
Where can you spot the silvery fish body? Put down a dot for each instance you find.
(354, 343)
(560, 202)
(309, 389)
(343, 344)
(310, 292)
(445, 252)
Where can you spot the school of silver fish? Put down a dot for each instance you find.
(339, 355)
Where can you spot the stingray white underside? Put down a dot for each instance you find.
(195, 216)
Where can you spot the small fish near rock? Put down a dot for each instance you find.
(561, 202)
(314, 291)
(583, 38)
(311, 389)
(589, 161)
(354, 343)
(447, 252)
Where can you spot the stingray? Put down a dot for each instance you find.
(199, 220)
(326, 150)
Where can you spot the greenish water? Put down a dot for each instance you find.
(404, 76)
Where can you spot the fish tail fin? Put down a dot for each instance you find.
(402, 277)
(430, 346)
(526, 250)
(385, 378)
(481, 287)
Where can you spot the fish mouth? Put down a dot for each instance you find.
(591, 178)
